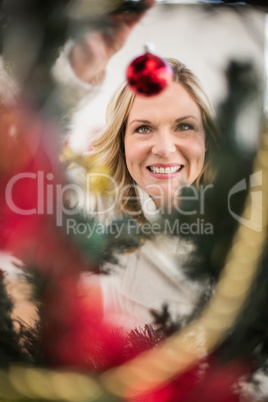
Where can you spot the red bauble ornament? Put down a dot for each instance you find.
(148, 75)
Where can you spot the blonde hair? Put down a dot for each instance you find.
(110, 144)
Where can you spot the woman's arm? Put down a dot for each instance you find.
(90, 56)
(81, 67)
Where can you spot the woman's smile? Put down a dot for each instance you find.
(165, 171)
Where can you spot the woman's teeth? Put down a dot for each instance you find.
(167, 170)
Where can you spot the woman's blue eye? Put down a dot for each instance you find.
(185, 126)
(143, 129)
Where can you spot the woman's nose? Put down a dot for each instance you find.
(164, 145)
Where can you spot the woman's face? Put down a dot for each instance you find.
(165, 142)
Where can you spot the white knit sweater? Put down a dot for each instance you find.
(148, 278)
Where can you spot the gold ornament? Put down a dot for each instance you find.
(97, 176)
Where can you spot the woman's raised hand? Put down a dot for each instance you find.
(90, 55)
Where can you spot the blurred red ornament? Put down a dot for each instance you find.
(148, 75)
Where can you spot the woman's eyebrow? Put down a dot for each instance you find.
(184, 118)
(140, 121)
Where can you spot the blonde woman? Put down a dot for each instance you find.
(153, 147)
